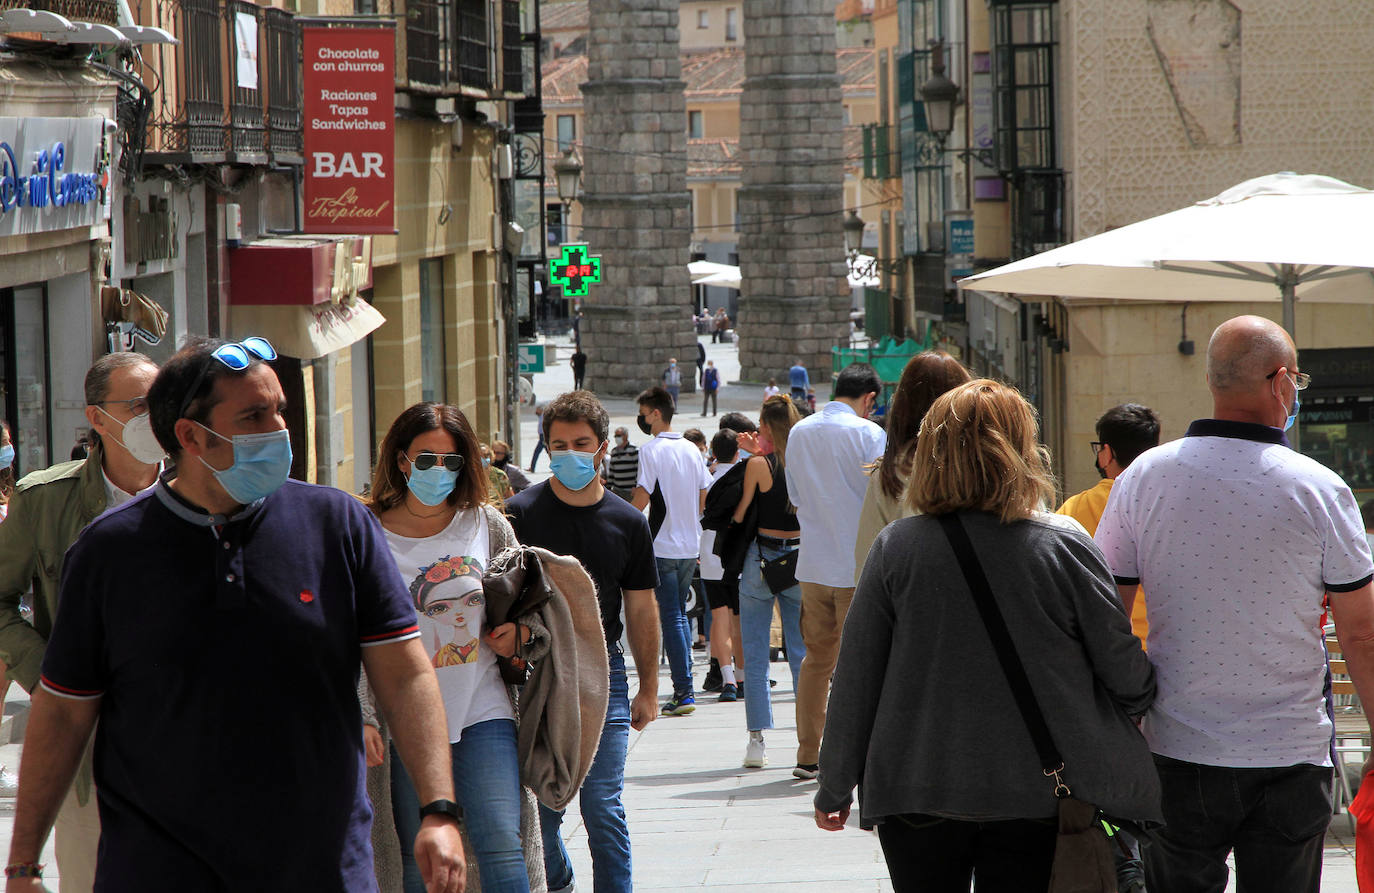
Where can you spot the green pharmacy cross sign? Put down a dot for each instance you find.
(575, 271)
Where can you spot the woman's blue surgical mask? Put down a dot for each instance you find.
(7, 455)
(262, 463)
(431, 485)
(574, 469)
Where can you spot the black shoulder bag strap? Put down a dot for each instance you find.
(1050, 761)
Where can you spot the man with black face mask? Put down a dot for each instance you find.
(1123, 432)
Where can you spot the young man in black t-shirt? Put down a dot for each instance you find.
(572, 513)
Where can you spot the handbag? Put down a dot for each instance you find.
(514, 586)
(779, 573)
(1082, 856)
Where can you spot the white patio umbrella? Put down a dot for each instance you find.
(704, 269)
(725, 279)
(1285, 237)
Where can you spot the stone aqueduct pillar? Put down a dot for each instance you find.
(636, 210)
(794, 299)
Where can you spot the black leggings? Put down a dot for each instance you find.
(931, 854)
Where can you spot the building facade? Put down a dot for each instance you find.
(1078, 116)
(203, 215)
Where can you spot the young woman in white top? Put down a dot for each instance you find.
(430, 493)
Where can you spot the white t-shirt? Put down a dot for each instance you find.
(710, 565)
(1236, 538)
(444, 573)
(674, 465)
(826, 481)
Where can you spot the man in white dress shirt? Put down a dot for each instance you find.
(826, 481)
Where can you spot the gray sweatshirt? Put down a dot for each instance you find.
(920, 716)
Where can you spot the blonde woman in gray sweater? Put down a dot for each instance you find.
(922, 719)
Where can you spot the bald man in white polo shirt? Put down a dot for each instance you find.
(1242, 543)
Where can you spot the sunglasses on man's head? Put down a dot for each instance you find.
(427, 460)
(236, 356)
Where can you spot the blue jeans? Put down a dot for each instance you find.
(1273, 819)
(674, 581)
(486, 779)
(603, 813)
(538, 448)
(755, 626)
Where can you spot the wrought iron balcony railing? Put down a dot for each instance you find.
(285, 136)
(231, 90)
(104, 12)
(458, 46)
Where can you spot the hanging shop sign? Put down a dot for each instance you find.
(350, 118)
(574, 271)
(54, 174)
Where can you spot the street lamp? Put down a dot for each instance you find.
(853, 244)
(853, 233)
(853, 241)
(568, 171)
(939, 94)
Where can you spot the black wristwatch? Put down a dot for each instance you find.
(442, 807)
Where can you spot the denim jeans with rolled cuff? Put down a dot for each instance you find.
(756, 627)
(674, 581)
(486, 782)
(600, 802)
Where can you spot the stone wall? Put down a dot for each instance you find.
(636, 211)
(794, 298)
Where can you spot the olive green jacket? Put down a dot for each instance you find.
(47, 511)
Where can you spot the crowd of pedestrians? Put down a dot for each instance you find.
(426, 677)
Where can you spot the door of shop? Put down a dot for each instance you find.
(25, 376)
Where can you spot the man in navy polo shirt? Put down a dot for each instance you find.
(1242, 544)
(214, 627)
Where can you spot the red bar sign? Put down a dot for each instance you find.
(350, 115)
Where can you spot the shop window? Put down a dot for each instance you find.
(553, 220)
(567, 131)
(24, 375)
(1023, 72)
(432, 364)
(696, 128)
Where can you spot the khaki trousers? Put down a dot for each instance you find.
(77, 833)
(822, 620)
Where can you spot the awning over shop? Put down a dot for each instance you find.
(301, 293)
(307, 332)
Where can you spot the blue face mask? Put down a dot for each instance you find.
(262, 463)
(431, 485)
(1293, 416)
(574, 470)
(6, 455)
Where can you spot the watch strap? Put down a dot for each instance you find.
(442, 807)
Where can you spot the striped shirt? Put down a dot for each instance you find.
(623, 468)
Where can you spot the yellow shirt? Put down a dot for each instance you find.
(1086, 508)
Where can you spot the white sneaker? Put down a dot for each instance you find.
(754, 757)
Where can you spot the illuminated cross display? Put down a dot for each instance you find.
(574, 272)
